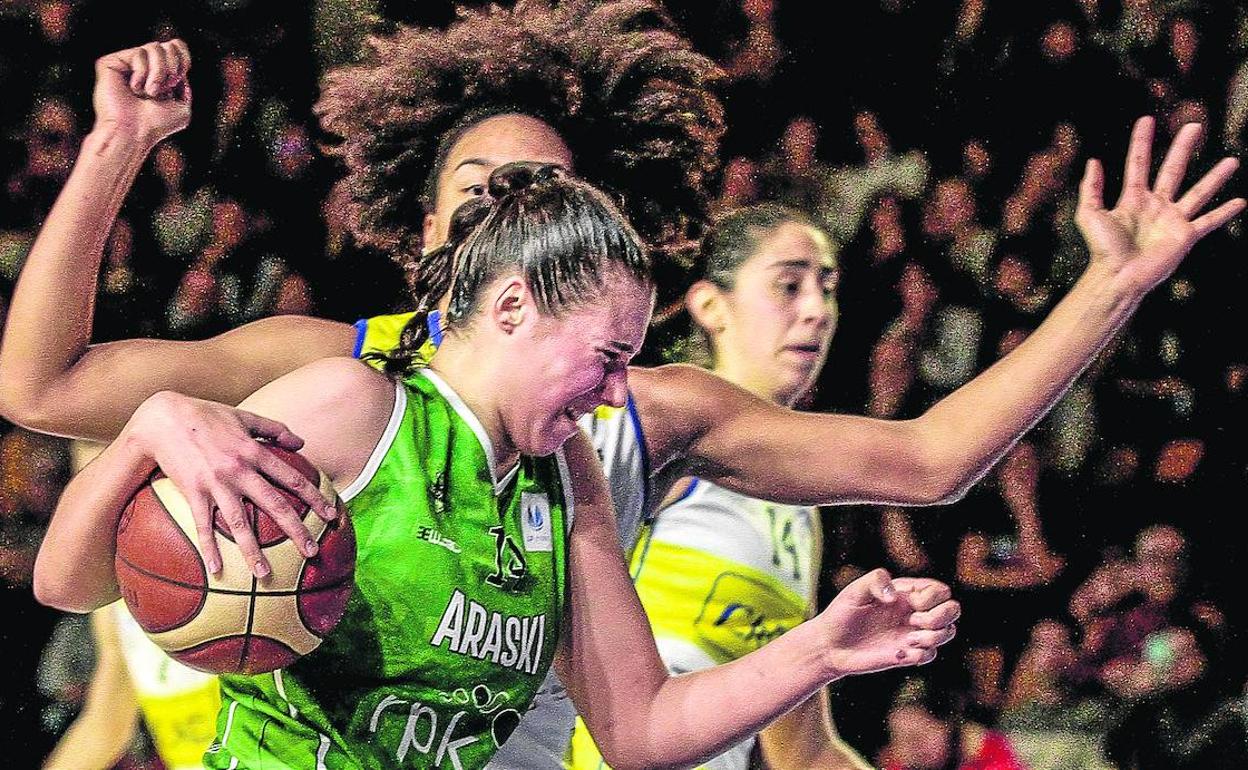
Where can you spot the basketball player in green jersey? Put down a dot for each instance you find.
(602, 88)
(447, 637)
(720, 574)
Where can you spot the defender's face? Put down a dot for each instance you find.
(495, 141)
(782, 314)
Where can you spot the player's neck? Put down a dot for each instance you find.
(468, 370)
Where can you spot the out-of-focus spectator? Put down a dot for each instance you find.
(64, 671)
(1180, 721)
(182, 223)
(1044, 176)
(794, 176)
(893, 360)
(1049, 715)
(850, 190)
(758, 54)
(51, 142)
(740, 185)
(236, 101)
(291, 152)
(32, 472)
(999, 562)
(1124, 601)
(208, 296)
(927, 731)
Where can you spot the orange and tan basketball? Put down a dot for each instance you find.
(232, 622)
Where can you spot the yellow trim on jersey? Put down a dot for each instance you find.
(182, 724)
(724, 608)
(382, 333)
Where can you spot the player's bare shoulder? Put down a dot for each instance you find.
(339, 406)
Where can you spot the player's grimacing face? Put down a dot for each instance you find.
(781, 315)
(576, 361)
(493, 142)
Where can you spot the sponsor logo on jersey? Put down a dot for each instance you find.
(535, 522)
(431, 535)
(427, 731)
(471, 629)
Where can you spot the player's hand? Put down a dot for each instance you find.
(879, 622)
(210, 452)
(144, 91)
(1149, 231)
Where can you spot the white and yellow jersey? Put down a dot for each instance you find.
(721, 574)
(541, 740)
(179, 704)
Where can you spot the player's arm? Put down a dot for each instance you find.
(51, 378)
(763, 450)
(806, 736)
(806, 739)
(339, 403)
(106, 725)
(640, 716)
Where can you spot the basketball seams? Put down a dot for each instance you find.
(157, 488)
(253, 630)
(182, 620)
(239, 591)
(251, 620)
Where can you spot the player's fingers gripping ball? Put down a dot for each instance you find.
(232, 622)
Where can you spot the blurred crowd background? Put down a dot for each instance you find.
(941, 143)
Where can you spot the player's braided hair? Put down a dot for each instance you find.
(561, 233)
(626, 92)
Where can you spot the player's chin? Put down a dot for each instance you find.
(551, 436)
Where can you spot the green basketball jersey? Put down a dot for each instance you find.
(460, 585)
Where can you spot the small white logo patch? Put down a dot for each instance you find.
(535, 521)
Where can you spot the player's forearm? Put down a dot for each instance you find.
(969, 430)
(94, 741)
(102, 731)
(690, 718)
(806, 739)
(50, 315)
(74, 569)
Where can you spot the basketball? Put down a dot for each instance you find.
(232, 622)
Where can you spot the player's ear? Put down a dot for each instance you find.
(512, 303)
(705, 302)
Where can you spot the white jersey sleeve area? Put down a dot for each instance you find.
(617, 437)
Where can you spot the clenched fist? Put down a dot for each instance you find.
(143, 91)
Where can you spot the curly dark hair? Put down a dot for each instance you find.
(631, 98)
